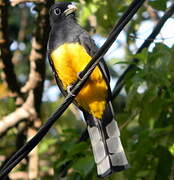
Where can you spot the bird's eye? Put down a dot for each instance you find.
(57, 11)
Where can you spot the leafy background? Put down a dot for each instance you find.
(144, 110)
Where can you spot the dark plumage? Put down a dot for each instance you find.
(102, 128)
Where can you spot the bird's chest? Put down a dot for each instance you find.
(70, 59)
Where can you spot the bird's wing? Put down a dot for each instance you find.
(86, 41)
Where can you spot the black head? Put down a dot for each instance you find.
(60, 10)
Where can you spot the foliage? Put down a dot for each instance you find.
(151, 127)
(144, 112)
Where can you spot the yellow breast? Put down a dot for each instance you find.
(70, 59)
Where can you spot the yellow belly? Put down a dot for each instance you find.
(70, 59)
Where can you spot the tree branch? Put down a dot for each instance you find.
(5, 54)
(38, 55)
(24, 112)
(24, 17)
(33, 163)
(121, 81)
(18, 156)
(34, 76)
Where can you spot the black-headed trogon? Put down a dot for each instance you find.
(70, 48)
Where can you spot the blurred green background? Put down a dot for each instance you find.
(144, 109)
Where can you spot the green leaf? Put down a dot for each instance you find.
(77, 148)
(84, 165)
(158, 4)
(61, 162)
(164, 164)
(123, 62)
(68, 146)
(171, 149)
(150, 109)
(142, 173)
(143, 56)
(45, 145)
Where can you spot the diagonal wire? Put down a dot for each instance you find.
(120, 83)
(23, 152)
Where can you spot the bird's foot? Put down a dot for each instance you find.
(79, 75)
(69, 88)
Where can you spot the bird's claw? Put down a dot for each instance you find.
(79, 75)
(69, 90)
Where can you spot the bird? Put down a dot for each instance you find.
(70, 48)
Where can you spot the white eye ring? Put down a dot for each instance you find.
(57, 11)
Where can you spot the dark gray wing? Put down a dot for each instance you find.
(91, 48)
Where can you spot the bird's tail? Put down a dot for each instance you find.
(108, 151)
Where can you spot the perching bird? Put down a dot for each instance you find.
(70, 48)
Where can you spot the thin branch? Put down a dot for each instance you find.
(24, 16)
(38, 55)
(16, 2)
(18, 156)
(121, 81)
(24, 112)
(12, 119)
(33, 159)
(19, 175)
(5, 54)
(34, 75)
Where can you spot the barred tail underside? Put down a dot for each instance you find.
(107, 148)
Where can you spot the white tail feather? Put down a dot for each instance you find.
(107, 148)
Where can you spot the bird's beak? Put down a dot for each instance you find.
(71, 8)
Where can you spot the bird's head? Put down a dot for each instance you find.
(61, 10)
